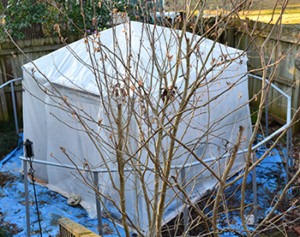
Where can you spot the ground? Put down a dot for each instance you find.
(270, 179)
(51, 205)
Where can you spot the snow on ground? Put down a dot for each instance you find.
(52, 206)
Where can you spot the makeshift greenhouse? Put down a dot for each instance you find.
(137, 106)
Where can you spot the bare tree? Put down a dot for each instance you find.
(165, 116)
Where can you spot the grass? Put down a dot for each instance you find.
(8, 139)
(290, 16)
(218, 4)
(3, 233)
(264, 11)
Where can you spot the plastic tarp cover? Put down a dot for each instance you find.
(66, 97)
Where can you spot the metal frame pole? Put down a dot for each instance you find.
(14, 106)
(254, 188)
(26, 198)
(290, 146)
(288, 160)
(98, 203)
(185, 210)
(267, 115)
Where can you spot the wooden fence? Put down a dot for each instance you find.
(274, 41)
(284, 39)
(11, 61)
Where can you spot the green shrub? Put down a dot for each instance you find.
(29, 19)
(8, 139)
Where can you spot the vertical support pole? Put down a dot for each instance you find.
(267, 116)
(98, 203)
(290, 146)
(288, 161)
(185, 210)
(254, 188)
(26, 198)
(14, 106)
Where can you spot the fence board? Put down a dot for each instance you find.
(11, 61)
(3, 105)
(284, 39)
(287, 77)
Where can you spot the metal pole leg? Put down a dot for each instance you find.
(254, 188)
(98, 203)
(185, 210)
(14, 106)
(26, 198)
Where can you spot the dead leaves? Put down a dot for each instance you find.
(168, 93)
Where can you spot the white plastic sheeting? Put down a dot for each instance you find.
(79, 79)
